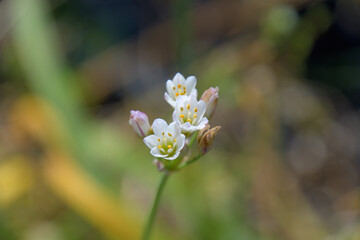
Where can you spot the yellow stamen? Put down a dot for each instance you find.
(182, 93)
(175, 140)
(181, 109)
(177, 94)
(179, 86)
(188, 106)
(173, 88)
(189, 120)
(182, 116)
(169, 146)
(179, 90)
(159, 147)
(159, 139)
(184, 87)
(163, 133)
(195, 116)
(195, 109)
(170, 134)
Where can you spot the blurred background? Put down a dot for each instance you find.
(285, 165)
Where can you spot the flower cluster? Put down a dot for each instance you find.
(170, 143)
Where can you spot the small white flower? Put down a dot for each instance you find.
(167, 140)
(189, 113)
(179, 87)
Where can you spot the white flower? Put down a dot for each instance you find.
(140, 122)
(167, 140)
(179, 87)
(189, 113)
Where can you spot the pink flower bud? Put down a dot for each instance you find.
(140, 122)
(210, 97)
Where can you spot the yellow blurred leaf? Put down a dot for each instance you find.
(16, 178)
(81, 192)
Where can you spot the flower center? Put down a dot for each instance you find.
(167, 144)
(188, 115)
(179, 90)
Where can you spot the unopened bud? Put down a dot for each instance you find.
(202, 132)
(140, 122)
(206, 138)
(210, 97)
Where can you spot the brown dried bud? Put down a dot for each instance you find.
(202, 132)
(206, 138)
(210, 97)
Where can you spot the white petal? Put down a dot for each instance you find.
(159, 126)
(169, 100)
(178, 79)
(186, 127)
(169, 85)
(202, 123)
(192, 129)
(169, 88)
(180, 142)
(176, 117)
(181, 101)
(177, 129)
(156, 152)
(201, 108)
(193, 101)
(174, 129)
(190, 83)
(173, 157)
(150, 141)
(193, 92)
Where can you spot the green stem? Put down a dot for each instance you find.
(189, 162)
(150, 221)
(193, 139)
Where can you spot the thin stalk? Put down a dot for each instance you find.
(193, 139)
(155, 206)
(189, 162)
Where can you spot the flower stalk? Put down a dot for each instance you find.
(154, 208)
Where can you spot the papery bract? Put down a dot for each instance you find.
(206, 138)
(179, 87)
(167, 140)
